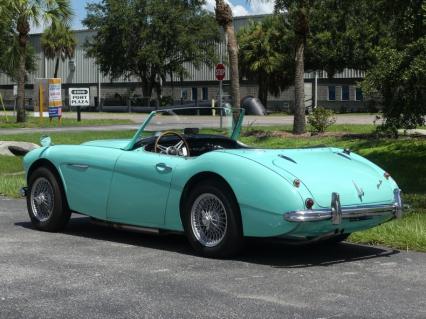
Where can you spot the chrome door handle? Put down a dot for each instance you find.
(163, 168)
(79, 166)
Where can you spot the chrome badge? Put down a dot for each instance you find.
(359, 191)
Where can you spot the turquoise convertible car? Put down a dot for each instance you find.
(185, 171)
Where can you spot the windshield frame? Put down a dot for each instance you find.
(235, 130)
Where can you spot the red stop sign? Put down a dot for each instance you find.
(220, 72)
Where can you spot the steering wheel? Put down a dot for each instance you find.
(180, 149)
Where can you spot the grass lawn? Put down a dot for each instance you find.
(35, 122)
(403, 158)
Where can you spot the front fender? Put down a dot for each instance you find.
(31, 157)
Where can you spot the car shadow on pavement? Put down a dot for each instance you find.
(267, 252)
(278, 254)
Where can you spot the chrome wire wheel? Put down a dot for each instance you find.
(208, 220)
(42, 199)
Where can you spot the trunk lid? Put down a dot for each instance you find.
(327, 170)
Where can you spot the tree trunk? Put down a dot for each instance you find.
(20, 105)
(172, 84)
(299, 89)
(301, 28)
(233, 60)
(147, 81)
(224, 19)
(263, 91)
(159, 92)
(147, 89)
(56, 68)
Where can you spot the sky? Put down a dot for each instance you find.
(239, 8)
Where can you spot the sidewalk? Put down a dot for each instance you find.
(122, 127)
(202, 122)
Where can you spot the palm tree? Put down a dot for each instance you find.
(298, 13)
(263, 58)
(224, 19)
(23, 14)
(58, 41)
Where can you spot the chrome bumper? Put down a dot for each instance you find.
(336, 212)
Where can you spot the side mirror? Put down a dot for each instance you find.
(45, 141)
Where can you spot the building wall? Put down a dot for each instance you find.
(82, 71)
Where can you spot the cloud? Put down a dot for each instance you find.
(253, 7)
(238, 10)
(261, 7)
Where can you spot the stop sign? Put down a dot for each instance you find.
(220, 72)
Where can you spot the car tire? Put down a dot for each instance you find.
(212, 220)
(46, 203)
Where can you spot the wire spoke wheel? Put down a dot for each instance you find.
(42, 199)
(208, 220)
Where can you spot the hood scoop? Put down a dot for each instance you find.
(287, 158)
(344, 156)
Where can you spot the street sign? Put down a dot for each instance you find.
(220, 72)
(79, 97)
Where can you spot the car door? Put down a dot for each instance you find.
(140, 188)
(87, 172)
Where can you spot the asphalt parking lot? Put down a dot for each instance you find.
(93, 272)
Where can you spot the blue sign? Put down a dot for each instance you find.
(55, 111)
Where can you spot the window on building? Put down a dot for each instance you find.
(205, 94)
(345, 93)
(358, 94)
(331, 93)
(184, 94)
(194, 94)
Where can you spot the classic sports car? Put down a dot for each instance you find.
(216, 190)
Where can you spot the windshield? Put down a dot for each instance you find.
(192, 120)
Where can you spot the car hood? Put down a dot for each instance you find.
(121, 144)
(327, 170)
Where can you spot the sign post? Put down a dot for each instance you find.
(79, 97)
(220, 75)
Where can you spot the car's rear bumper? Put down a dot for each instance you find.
(336, 212)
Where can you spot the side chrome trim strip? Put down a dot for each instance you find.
(79, 166)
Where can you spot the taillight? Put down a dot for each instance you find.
(309, 202)
(296, 182)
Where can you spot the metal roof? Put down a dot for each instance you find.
(86, 70)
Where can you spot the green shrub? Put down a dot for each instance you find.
(320, 119)
(166, 100)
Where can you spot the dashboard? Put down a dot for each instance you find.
(198, 143)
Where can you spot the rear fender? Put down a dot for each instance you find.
(263, 195)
